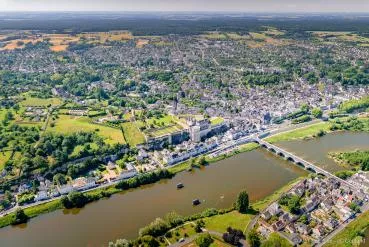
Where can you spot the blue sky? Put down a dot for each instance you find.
(188, 5)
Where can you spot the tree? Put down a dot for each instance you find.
(317, 112)
(204, 240)
(202, 161)
(199, 225)
(253, 238)
(59, 179)
(173, 219)
(19, 217)
(294, 204)
(149, 241)
(119, 243)
(242, 203)
(156, 228)
(233, 236)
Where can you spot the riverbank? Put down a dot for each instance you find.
(303, 132)
(219, 220)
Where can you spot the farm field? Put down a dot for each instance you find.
(70, 124)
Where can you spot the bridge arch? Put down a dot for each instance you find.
(311, 169)
(281, 154)
(264, 146)
(300, 164)
(272, 150)
(289, 158)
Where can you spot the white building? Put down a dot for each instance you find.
(41, 195)
(129, 172)
(83, 183)
(65, 189)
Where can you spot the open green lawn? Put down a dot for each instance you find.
(166, 130)
(4, 157)
(216, 120)
(79, 148)
(69, 124)
(300, 132)
(30, 101)
(132, 134)
(2, 114)
(234, 219)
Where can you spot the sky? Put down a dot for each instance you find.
(188, 5)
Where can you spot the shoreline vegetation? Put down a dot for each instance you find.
(175, 227)
(310, 131)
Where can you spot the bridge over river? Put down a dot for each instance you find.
(299, 161)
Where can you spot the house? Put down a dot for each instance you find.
(296, 239)
(142, 154)
(65, 189)
(291, 228)
(302, 228)
(83, 183)
(274, 209)
(286, 218)
(266, 215)
(41, 195)
(318, 231)
(111, 165)
(279, 225)
(23, 188)
(327, 204)
(331, 223)
(344, 213)
(129, 172)
(311, 204)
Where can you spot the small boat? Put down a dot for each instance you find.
(196, 202)
(179, 186)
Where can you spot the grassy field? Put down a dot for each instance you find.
(132, 134)
(30, 101)
(300, 133)
(216, 120)
(234, 219)
(4, 157)
(69, 124)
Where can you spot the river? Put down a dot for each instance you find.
(217, 185)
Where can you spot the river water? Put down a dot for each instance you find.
(217, 185)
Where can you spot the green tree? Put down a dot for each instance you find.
(59, 179)
(199, 225)
(204, 240)
(149, 241)
(253, 238)
(242, 203)
(317, 112)
(119, 243)
(19, 217)
(202, 161)
(294, 204)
